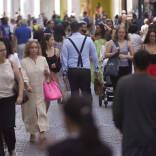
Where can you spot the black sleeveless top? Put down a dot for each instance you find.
(152, 58)
(54, 59)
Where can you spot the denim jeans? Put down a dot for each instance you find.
(20, 51)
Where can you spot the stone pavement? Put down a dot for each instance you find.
(57, 131)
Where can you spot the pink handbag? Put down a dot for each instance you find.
(51, 91)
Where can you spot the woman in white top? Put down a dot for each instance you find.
(135, 39)
(35, 71)
(8, 100)
(10, 54)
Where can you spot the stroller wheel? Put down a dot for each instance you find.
(106, 103)
(100, 100)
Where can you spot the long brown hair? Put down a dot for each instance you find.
(147, 39)
(115, 35)
(27, 48)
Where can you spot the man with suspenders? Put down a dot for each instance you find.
(76, 52)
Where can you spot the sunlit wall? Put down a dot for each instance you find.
(1, 8)
(36, 8)
(69, 5)
(57, 7)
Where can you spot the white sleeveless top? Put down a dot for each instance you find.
(6, 80)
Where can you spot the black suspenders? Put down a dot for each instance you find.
(79, 52)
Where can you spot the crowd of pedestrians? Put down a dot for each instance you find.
(71, 52)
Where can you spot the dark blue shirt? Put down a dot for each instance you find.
(86, 20)
(23, 34)
(49, 31)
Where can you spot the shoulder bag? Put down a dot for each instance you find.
(112, 66)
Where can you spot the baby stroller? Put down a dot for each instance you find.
(108, 94)
(108, 90)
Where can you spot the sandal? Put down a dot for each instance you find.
(32, 138)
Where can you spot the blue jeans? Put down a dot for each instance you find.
(20, 51)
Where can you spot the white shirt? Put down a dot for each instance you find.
(14, 58)
(144, 30)
(12, 27)
(6, 80)
(136, 41)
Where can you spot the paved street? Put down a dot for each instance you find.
(57, 131)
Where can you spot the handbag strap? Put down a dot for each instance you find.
(117, 45)
(12, 66)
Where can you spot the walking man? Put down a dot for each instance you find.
(22, 35)
(76, 53)
(134, 109)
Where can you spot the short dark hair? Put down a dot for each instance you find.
(8, 45)
(81, 24)
(84, 13)
(141, 59)
(4, 20)
(75, 26)
(49, 22)
(59, 33)
(133, 29)
(146, 15)
(78, 110)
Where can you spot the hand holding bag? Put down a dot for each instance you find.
(112, 66)
(51, 91)
(98, 87)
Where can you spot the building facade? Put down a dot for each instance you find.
(12, 8)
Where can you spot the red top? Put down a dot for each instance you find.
(151, 70)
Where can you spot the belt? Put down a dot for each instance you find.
(79, 68)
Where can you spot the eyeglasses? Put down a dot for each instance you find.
(2, 50)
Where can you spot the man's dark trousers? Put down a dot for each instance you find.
(80, 78)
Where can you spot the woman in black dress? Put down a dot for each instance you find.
(52, 56)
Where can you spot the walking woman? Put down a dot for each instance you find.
(125, 50)
(84, 139)
(52, 55)
(99, 41)
(35, 71)
(10, 54)
(135, 38)
(150, 46)
(8, 99)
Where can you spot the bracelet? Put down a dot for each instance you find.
(65, 73)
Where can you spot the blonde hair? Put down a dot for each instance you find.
(27, 48)
(115, 35)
